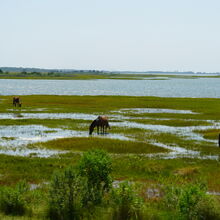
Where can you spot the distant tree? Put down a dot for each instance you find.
(1, 71)
(36, 73)
(50, 73)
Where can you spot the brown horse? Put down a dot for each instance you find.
(101, 121)
(16, 101)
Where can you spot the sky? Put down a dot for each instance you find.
(135, 35)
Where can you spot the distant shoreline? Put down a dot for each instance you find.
(74, 71)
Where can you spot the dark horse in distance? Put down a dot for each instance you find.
(16, 101)
(102, 122)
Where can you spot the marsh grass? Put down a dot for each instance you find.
(33, 169)
(127, 159)
(172, 122)
(8, 138)
(167, 171)
(212, 134)
(71, 124)
(187, 171)
(88, 104)
(110, 145)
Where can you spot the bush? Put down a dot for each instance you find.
(189, 199)
(12, 201)
(65, 195)
(191, 202)
(126, 203)
(171, 198)
(96, 166)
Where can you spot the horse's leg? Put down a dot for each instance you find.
(97, 129)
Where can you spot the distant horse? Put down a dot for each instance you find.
(16, 101)
(101, 121)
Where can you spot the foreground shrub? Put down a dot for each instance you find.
(65, 195)
(126, 203)
(96, 167)
(192, 202)
(189, 199)
(12, 201)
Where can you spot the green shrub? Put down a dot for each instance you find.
(189, 198)
(12, 201)
(96, 166)
(191, 202)
(65, 195)
(126, 203)
(171, 198)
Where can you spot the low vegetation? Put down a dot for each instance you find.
(138, 184)
(86, 191)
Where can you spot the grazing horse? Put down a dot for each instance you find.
(16, 101)
(101, 121)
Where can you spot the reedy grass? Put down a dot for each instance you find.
(132, 167)
(181, 170)
(33, 169)
(172, 122)
(71, 124)
(109, 145)
(94, 104)
(212, 134)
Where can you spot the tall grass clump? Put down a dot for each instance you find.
(126, 203)
(96, 167)
(12, 199)
(66, 195)
(191, 202)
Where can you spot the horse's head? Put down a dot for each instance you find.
(91, 129)
(93, 125)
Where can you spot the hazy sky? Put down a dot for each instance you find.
(111, 34)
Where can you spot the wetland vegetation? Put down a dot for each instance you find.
(93, 74)
(165, 149)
